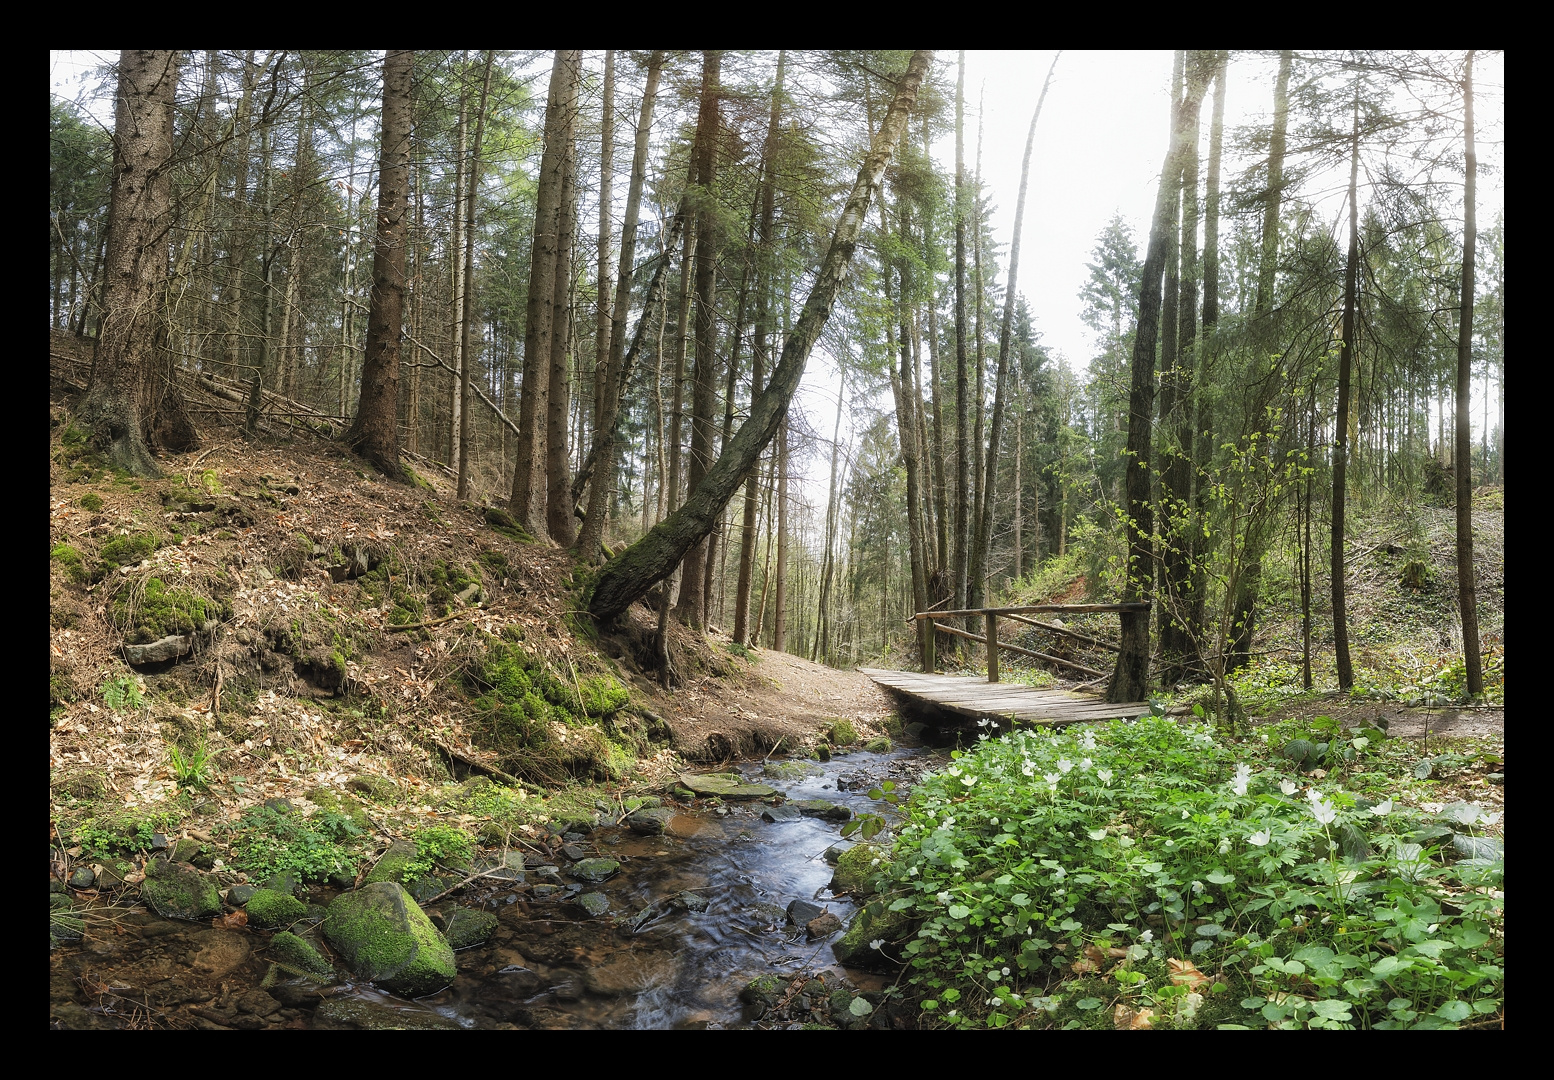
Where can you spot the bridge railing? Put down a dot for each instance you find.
(989, 638)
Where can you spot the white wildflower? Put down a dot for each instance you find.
(1106, 776)
(1260, 838)
(1239, 782)
(1383, 808)
(1287, 786)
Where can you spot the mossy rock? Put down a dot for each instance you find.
(854, 947)
(842, 733)
(725, 786)
(157, 611)
(790, 770)
(507, 525)
(878, 745)
(298, 954)
(179, 891)
(394, 864)
(268, 909)
(375, 788)
(385, 938)
(856, 872)
(126, 550)
(468, 927)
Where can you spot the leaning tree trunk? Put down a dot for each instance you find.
(375, 432)
(655, 556)
(139, 215)
(1466, 598)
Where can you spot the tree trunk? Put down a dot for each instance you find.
(527, 502)
(692, 607)
(780, 592)
(984, 535)
(559, 503)
(962, 362)
(758, 352)
(1341, 424)
(1466, 593)
(652, 558)
(1130, 679)
(456, 332)
(467, 318)
(1179, 631)
(591, 535)
(602, 321)
(120, 396)
(375, 433)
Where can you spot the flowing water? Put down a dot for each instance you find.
(651, 962)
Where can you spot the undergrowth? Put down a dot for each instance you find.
(1149, 874)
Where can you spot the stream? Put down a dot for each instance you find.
(653, 961)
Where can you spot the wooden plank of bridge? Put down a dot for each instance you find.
(975, 698)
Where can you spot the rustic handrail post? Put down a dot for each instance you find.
(933, 634)
(992, 646)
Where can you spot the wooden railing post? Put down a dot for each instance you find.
(992, 647)
(933, 634)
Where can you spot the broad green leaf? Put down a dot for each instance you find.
(1455, 1010)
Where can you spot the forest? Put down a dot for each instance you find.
(452, 452)
(603, 256)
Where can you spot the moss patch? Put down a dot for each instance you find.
(387, 939)
(856, 872)
(268, 908)
(71, 562)
(127, 550)
(298, 956)
(154, 611)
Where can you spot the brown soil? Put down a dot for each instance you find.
(771, 697)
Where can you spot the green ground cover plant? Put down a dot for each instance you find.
(1073, 878)
(269, 840)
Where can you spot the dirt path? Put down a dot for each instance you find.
(772, 696)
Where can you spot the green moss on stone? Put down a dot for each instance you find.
(268, 908)
(157, 611)
(843, 733)
(856, 870)
(127, 550)
(299, 954)
(176, 891)
(386, 938)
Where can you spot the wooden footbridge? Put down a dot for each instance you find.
(976, 698)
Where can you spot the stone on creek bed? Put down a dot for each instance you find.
(595, 870)
(820, 808)
(777, 814)
(651, 821)
(348, 1014)
(385, 938)
(725, 786)
(178, 891)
